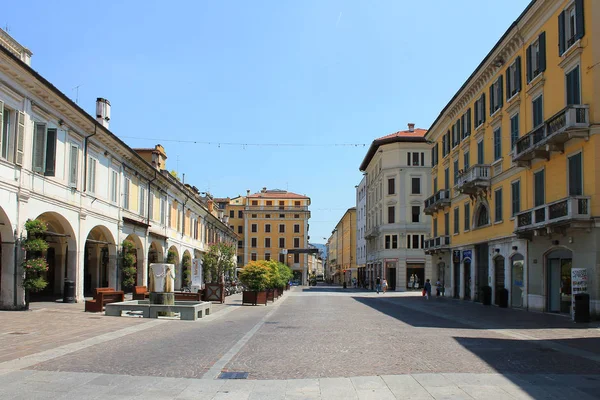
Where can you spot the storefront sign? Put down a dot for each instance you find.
(197, 273)
(467, 254)
(456, 256)
(578, 284)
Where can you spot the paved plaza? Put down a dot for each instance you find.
(314, 343)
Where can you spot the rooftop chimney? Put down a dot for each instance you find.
(103, 111)
(264, 190)
(247, 192)
(411, 127)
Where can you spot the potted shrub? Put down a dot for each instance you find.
(186, 264)
(274, 280)
(35, 263)
(129, 270)
(285, 274)
(219, 261)
(255, 276)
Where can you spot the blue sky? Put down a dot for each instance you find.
(284, 72)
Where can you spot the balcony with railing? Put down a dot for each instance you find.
(437, 244)
(276, 208)
(475, 179)
(569, 123)
(571, 211)
(438, 201)
(372, 232)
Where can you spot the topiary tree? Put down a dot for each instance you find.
(129, 270)
(35, 263)
(255, 275)
(186, 263)
(219, 262)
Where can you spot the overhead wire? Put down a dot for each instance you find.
(249, 144)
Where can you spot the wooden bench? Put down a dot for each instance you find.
(103, 298)
(140, 293)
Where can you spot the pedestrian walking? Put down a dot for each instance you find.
(378, 284)
(427, 289)
(438, 288)
(385, 285)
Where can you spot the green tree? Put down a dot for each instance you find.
(219, 262)
(128, 271)
(186, 263)
(255, 275)
(35, 264)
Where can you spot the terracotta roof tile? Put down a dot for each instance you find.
(418, 132)
(278, 195)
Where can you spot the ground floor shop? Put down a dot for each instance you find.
(401, 274)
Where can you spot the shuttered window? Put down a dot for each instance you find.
(514, 130)
(467, 217)
(536, 57)
(575, 175)
(539, 196)
(20, 147)
(516, 197)
(538, 111)
(480, 155)
(496, 91)
(126, 194)
(296, 243)
(455, 172)
(466, 160)
(480, 110)
(142, 205)
(456, 220)
(44, 149)
(497, 144)
(114, 186)
(573, 87)
(570, 26)
(73, 166)
(446, 224)
(416, 185)
(391, 215)
(513, 78)
(91, 180)
(498, 205)
(163, 202)
(447, 178)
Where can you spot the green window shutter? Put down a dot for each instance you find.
(39, 147)
(575, 176)
(561, 34)
(529, 66)
(483, 106)
(508, 83)
(469, 121)
(579, 22)
(50, 164)
(500, 91)
(542, 41)
(518, 81)
(492, 98)
(20, 147)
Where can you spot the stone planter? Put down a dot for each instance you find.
(254, 298)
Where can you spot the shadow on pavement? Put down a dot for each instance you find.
(444, 313)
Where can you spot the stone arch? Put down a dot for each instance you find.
(558, 261)
(100, 260)
(62, 256)
(139, 257)
(7, 261)
(174, 258)
(481, 217)
(186, 267)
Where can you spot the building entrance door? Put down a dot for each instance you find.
(499, 276)
(415, 276)
(467, 282)
(391, 278)
(559, 264)
(482, 274)
(456, 280)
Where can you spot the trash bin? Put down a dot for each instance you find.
(69, 292)
(581, 313)
(486, 295)
(502, 298)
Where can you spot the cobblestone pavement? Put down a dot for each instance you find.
(321, 339)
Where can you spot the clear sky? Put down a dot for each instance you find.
(318, 72)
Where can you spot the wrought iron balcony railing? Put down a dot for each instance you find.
(439, 200)
(561, 212)
(475, 179)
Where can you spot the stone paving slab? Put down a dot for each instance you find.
(72, 385)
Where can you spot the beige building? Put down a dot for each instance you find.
(342, 249)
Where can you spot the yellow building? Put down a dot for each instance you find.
(273, 225)
(342, 248)
(515, 161)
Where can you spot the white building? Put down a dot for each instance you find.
(361, 225)
(66, 168)
(396, 169)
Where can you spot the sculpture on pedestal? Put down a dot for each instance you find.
(161, 283)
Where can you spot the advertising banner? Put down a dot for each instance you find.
(579, 280)
(197, 273)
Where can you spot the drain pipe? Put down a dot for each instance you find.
(85, 160)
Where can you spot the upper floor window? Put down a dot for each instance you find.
(392, 185)
(465, 122)
(538, 111)
(416, 213)
(231, 213)
(497, 144)
(267, 228)
(483, 216)
(269, 203)
(254, 228)
(456, 172)
(466, 160)
(240, 214)
(456, 221)
(240, 229)
(253, 242)
(126, 184)
(296, 243)
(416, 186)
(514, 130)
(513, 78)
(391, 215)
(267, 242)
(456, 134)
(516, 197)
(498, 205)
(142, 207)
(74, 166)
(575, 175)
(467, 216)
(114, 188)
(91, 179)
(573, 87)
(254, 202)
(44, 149)
(296, 228)
(539, 194)
(282, 243)
(12, 134)
(536, 57)
(297, 203)
(480, 111)
(496, 91)
(444, 145)
(570, 26)
(391, 241)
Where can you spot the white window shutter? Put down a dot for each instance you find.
(73, 167)
(151, 205)
(39, 147)
(91, 175)
(19, 149)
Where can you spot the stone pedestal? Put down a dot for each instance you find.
(167, 299)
